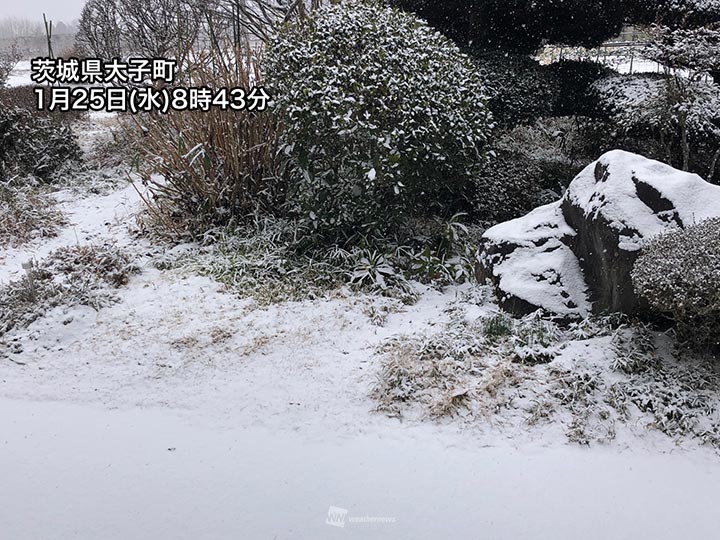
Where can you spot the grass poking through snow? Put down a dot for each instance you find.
(27, 212)
(590, 378)
(69, 276)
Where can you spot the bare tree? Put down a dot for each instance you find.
(260, 19)
(8, 59)
(99, 32)
(162, 28)
(159, 28)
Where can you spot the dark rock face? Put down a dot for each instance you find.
(605, 265)
(575, 256)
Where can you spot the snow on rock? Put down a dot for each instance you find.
(575, 256)
(530, 261)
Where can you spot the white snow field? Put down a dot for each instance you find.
(187, 412)
(83, 471)
(20, 76)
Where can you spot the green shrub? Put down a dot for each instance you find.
(383, 119)
(531, 167)
(679, 274)
(32, 144)
(497, 327)
(520, 89)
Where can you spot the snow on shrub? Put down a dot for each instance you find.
(679, 274)
(682, 115)
(531, 168)
(32, 144)
(383, 118)
(694, 49)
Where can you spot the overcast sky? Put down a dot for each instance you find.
(58, 10)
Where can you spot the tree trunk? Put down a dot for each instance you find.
(685, 145)
(713, 166)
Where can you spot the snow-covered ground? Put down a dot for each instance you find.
(83, 471)
(20, 75)
(187, 412)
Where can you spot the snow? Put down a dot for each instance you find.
(639, 65)
(548, 276)
(542, 269)
(615, 197)
(73, 471)
(543, 222)
(20, 76)
(92, 219)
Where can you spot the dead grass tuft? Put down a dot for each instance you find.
(27, 212)
(78, 275)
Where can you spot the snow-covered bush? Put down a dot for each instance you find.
(680, 114)
(694, 49)
(530, 168)
(679, 274)
(383, 118)
(674, 13)
(32, 144)
(508, 187)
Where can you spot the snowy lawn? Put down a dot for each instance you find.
(83, 471)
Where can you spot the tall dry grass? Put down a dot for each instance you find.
(205, 169)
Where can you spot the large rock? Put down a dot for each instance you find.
(574, 256)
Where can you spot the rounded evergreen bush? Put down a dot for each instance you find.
(383, 118)
(679, 274)
(521, 90)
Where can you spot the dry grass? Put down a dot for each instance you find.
(616, 373)
(27, 212)
(69, 276)
(217, 167)
(24, 97)
(435, 372)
